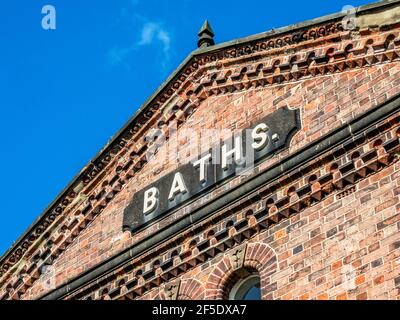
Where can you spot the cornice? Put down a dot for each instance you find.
(198, 77)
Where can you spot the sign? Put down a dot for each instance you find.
(232, 157)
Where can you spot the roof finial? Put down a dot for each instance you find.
(206, 36)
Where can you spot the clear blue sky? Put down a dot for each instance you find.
(64, 93)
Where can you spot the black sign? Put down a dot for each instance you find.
(232, 157)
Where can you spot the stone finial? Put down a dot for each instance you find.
(206, 36)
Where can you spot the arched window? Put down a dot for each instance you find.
(246, 289)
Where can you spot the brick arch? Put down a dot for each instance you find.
(258, 257)
(191, 289)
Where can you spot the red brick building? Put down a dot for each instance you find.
(316, 217)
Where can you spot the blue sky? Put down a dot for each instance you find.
(64, 93)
